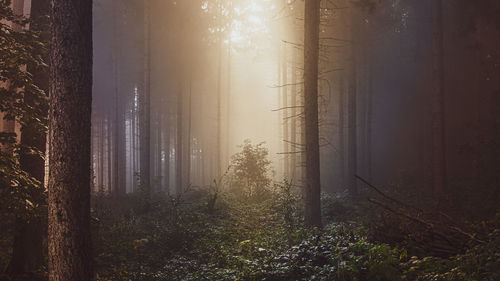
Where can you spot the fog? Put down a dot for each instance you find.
(213, 72)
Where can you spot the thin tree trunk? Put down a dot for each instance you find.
(189, 149)
(342, 152)
(352, 112)
(219, 99)
(101, 155)
(311, 57)
(286, 137)
(228, 105)
(438, 107)
(368, 124)
(159, 150)
(145, 133)
(108, 158)
(69, 243)
(167, 151)
(119, 168)
(293, 125)
(179, 146)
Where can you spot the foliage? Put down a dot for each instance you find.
(20, 47)
(179, 239)
(250, 171)
(479, 263)
(21, 196)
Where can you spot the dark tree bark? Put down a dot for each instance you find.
(311, 57)
(286, 124)
(342, 151)
(352, 112)
(438, 114)
(179, 146)
(189, 141)
(108, 154)
(70, 122)
(293, 121)
(145, 133)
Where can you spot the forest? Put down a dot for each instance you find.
(336, 140)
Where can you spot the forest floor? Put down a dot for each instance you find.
(222, 236)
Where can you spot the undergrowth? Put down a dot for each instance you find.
(185, 238)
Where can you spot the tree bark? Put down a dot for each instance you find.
(438, 108)
(293, 121)
(311, 57)
(70, 141)
(179, 146)
(352, 112)
(145, 133)
(286, 138)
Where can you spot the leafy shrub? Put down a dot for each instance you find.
(249, 173)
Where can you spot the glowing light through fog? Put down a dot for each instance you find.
(249, 27)
(243, 24)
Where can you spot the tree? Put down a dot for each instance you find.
(69, 140)
(311, 57)
(145, 132)
(438, 114)
(352, 136)
(250, 169)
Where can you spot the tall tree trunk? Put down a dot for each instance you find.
(118, 165)
(228, 105)
(167, 149)
(145, 133)
(438, 107)
(27, 252)
(286, 137)
(133, 148)
(101, 155)
(352, 111)
(342, 152)
(108, 152)
(218, 171)
(189, 141)
(311, 57)
(293, 120)
(159, 150)
(368, 118)
(179, 146)
(70, 255)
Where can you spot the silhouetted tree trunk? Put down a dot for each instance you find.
(368, 118)
(189, 142)
(228, 105)
(108, 152)
(70, 121)
(118, 166)
(311, 57)
(218, 158)
(145, 108)
(167, 149)
(179, 146)
(286, 135)
(352, 111)
(342, 152)
(293, 120)
(438, 107)
(101, 155)
(27, 250)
